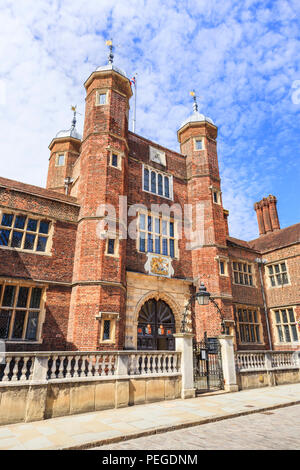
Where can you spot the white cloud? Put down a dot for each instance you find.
(241, 57)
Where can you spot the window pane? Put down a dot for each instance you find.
(255, 316)
(157, 226)
(150, 244)
(106, 329)
(277, 314)
(280, 333)
(199, 145)
(149, 224)
(142, 242)
(16, 240)
(146, 179)
(283, 267)
(284, 316)
(250, 280)
(35, 297)
(240, 315)
(29, 242)
(160, 185)
(142, 221)
(32, 325)
(257, 334)
(102, 98)
(250, 316)
(291, 315)
(5, 316)
(4, 237)
(249, 268)
(157, 245)
(287, 333)
(164, 227)
(20, 221)
(235, 266)
(153, 182)
(22, 297)
(270, 268)
(272, 281)
(294, 332)
(165, 246)
(172, 251)
(60, 160)
(111, 246)
(167, 187)
(171, 229)
(7, 220)
(9, 295)
(236, 277)
(41, 244)
(277, 270)
(246, 279)
(252, 334)
(18, 324)
(285, 278)
(32, 225)
(114, 160)
(222, 267)
(44, 226)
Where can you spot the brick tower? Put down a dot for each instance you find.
(64, 152)
(197, 136)
(97, 313)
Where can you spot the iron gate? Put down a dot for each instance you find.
(208, 375)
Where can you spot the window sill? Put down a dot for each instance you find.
(28, 252)
(159, 195)
(22, 341)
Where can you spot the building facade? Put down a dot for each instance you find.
(109, 254)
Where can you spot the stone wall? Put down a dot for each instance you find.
(27, 402)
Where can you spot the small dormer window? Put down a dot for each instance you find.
(60, 160)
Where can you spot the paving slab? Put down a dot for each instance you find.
(117, 425)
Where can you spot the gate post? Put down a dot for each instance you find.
(184, 344)
(228, 363)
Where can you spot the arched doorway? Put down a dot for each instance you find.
(156, 325)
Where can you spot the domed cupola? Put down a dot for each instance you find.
(196, 116)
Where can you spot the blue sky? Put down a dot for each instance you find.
(242, 58)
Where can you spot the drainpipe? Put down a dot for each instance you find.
(260, 262)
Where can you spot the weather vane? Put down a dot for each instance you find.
(111, 54)
(195, 105)
(74, 109)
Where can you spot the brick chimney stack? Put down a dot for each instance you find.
(267, 216)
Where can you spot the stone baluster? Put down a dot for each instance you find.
(14, 377)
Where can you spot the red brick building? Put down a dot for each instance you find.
(70, 280)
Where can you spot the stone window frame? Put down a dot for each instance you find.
(120, 156)
(243, 272)
(223, 259)
(163, 175)
(277, 274)
(4, 282)
(195, 140)
(113, 317)
(112, 236)
(102, 91)
(162, 236)
(282, 323)
(216, 191)
(28, 215)
(58, 155)
(257, 325)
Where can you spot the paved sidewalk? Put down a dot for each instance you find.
(104, 427)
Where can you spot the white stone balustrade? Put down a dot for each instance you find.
(247, 361)
(64, 366)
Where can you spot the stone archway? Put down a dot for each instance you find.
(156, 326)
